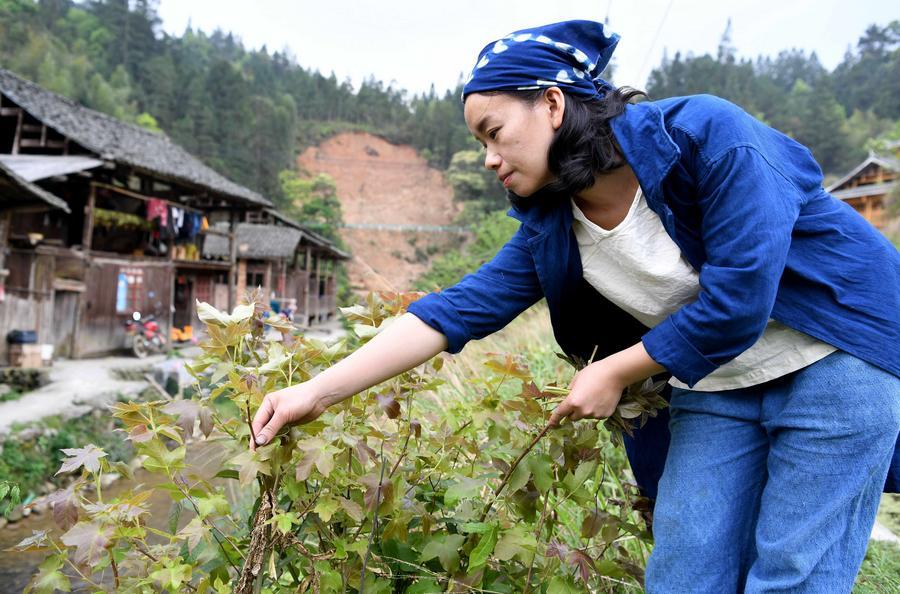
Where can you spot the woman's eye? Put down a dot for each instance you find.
(493, 134)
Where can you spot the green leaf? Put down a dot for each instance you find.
(518, 479)
(475, 527)
(49, 578)
(479, 555)
(214, 503)
(563, 585)
(250, 465)
(352, 509)
(326, 507)
(446, 548)
(283, 521)
(228, 473)
(609, 568)
(172, 576)
(424, 586)
(221, 372)
(542, 470)
(519, 542)
(193, 533)
(329, 579)
(464, 489)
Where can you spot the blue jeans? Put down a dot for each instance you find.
(774, 488)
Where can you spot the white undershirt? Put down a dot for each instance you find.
(638, 267)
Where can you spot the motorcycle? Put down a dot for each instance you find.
(145, 335)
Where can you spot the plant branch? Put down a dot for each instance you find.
(537, 538)
(213, 528)
(512, 468)
(362, 574)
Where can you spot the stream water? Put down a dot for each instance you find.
(16, 568)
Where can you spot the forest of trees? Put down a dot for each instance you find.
(248, 112)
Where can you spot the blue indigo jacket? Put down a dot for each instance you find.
(745, 205)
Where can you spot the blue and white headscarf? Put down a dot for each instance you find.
(570, 55)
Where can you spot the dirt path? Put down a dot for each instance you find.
(76, 387)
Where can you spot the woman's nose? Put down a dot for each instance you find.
(492, 160)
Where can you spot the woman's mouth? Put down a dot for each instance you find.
(506, 180)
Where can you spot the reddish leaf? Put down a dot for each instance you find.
(90, 540)
(557, 549)
(384, 496)
(140, 434)
(389, 404)
(594, 522)
(416, 427)
(88, 456)
(186, 412)
(206, 421)
(364, 452)
(583, 563)
(508, 366)
(530, 390)
(64, 505)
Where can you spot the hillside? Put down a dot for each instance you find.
(379, 183)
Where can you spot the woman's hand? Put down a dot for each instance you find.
(297, 404)
(595, 393)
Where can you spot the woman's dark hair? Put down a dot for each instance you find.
(584, 145)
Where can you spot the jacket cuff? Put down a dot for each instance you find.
(436, 311)
(668, 347)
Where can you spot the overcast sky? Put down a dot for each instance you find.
(417, 43)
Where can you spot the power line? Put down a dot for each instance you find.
(655, 38)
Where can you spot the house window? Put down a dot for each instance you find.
(129, 290)
(255, 279)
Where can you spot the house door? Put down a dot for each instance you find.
(65, 304)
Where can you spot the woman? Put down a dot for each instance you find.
(679, 236)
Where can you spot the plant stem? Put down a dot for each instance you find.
(512, 468)
(537, 538)
(213, 528)
(362, 574)
(115, 568)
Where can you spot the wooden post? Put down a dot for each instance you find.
(173, 277)
(88, 231)
(308, 275)
(232, 271)
(18, 137)
(241, 279)
(318, 290)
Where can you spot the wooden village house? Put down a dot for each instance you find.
(868, 187)
(100, 218)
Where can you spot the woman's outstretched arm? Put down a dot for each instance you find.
(401, 346)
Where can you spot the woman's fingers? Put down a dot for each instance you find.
(563, 410)
(267, 421)
(265, 412)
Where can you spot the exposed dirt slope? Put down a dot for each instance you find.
(381, 183)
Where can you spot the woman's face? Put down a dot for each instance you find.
(516, 135)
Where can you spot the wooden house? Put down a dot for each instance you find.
(100, 218)
(868, 186)
(293, 265)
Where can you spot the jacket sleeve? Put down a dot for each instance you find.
(486, 300)
(748, 209)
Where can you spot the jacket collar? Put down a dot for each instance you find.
(647, 147)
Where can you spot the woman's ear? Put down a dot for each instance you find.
(555, 103)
